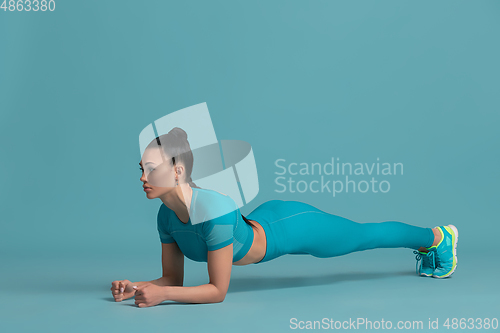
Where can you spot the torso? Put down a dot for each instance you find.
(258, 249)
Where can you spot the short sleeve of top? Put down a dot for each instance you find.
(162, 232)
(218, 232)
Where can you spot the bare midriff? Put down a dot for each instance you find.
(258, 249)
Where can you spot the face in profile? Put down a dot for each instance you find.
(158, 175)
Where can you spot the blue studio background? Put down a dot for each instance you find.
(414, 82)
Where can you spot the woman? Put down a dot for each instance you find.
(273, 229)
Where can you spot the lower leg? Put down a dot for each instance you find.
(437, 239)
(333, 236)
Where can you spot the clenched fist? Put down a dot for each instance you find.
(122, 289)
(149, 294)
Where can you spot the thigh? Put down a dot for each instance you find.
(282, 222)
(309, 230)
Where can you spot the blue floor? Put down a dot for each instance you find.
(70, 293)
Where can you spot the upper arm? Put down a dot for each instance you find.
(172, 260)
(219, 264)
(218, 234)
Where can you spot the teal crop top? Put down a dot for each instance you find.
(218, 224)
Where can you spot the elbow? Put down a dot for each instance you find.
(220, 297)
(217, 293)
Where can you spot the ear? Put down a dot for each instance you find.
(180, 170)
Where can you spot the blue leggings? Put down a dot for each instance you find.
(294, 227)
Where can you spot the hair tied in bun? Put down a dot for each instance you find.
(179, 132)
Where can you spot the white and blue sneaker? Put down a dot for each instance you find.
(445, 256)
(427, 265)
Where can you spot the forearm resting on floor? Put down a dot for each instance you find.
(163, 281)
(206, 293)
(174, 291)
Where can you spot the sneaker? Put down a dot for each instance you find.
(427, 265)
(446, 252)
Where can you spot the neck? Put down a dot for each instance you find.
(179, 200)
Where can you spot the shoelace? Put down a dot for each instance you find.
(428, 258)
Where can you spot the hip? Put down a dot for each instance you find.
(258, 249)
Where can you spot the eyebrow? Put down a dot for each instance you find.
(146, 163)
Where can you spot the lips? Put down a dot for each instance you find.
(145, 187)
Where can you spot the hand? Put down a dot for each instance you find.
(149, 295)
(122, 289)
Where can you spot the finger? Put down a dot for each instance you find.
(139, 293)
(121, 287)
(115, 291)
(115, 284)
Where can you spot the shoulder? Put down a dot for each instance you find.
(163, 214)
(213, 207)
(208, 197)
(163, 210)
